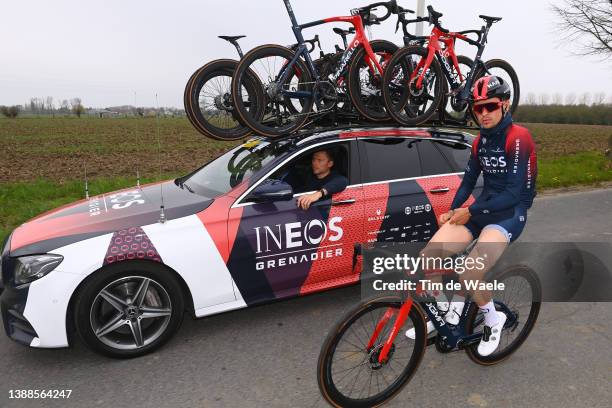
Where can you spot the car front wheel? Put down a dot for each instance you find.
(129, 310)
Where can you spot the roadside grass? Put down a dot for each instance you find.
(22, 201)
(578, 169)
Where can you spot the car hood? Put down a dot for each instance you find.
(105, 213)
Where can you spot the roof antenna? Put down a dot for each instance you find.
(86, 185)
(162, 213)
(137, 141)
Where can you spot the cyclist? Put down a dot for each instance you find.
(505, 154)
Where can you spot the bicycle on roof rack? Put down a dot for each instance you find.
(294, 90)
(208, 101)
(416, 83)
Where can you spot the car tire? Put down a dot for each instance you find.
(101, 295)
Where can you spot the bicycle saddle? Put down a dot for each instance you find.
(340, 31)
(490, 19)
(231, 38)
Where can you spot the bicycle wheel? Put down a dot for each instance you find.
(504, 70)
(454, 110)
(522, 297)
(406, 102)
(365, 84)
(349, 374)
(283, 112)
(209, 104)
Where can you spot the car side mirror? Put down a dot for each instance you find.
(271, 190)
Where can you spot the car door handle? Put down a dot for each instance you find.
(440, 190)
(344, 202)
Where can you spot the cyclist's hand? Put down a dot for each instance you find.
(461, 216)
(445, 217)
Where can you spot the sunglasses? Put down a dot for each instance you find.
(490, 107)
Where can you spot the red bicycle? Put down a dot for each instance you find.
(367, 358)
(416, 83)
(293, 89)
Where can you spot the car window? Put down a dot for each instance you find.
(457, 154)
(432, 160)
(298, 170)
(230, 169)
(389, 159)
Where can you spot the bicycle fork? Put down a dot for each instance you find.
(402, 315)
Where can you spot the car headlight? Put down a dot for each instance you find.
(30, 268)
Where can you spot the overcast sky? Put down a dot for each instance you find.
(107, 51)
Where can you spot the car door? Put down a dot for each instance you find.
(458, 154)
(397, 208)
(281, 250)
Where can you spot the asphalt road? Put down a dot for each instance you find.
(266, 356)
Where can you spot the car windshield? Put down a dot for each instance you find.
(230, 169)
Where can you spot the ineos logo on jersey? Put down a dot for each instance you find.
(293, 234)
(499, 161)
(126, 199)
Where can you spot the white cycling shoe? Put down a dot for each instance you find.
(491, 336)
(452, 316)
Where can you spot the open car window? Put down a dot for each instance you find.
(299, 169)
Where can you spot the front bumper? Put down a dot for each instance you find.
(12, 306)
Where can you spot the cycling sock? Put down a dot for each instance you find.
(490, 315)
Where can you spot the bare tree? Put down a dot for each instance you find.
(531, 99)
(585, 99)
(544, 98)
(586, 24)
(77, 106)
(570, 98)
(599, 98)
(557, 99)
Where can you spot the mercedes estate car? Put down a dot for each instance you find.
(119, 270)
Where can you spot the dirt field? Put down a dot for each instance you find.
(59, 149)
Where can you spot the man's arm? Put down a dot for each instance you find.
(470, 177)
(519, 149)
(335, 185)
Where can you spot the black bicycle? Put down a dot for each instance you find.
(208, 101)
(293, 88)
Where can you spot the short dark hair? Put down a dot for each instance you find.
(330, 153)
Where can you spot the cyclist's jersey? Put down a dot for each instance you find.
(506, 156)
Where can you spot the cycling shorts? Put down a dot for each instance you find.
(509, 222)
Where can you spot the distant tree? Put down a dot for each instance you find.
(77, 106)
(557, 99)
(599, 98)
(531, 99)
(49, 104)
(10, 111)
(544, 98)
(570, 98)
(585, 99)
(587, 25)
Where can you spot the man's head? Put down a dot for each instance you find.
(491, 100)
(322, 163)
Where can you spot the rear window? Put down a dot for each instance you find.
(390, 159)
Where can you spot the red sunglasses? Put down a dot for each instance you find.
(490, 107)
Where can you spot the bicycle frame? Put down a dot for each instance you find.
(359, 39)
(454, 337)
(434, 47)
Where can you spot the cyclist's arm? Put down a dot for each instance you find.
(519, 150)
(470, 177)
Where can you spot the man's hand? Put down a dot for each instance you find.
(461, 216)
(306, 200)
(445, 217)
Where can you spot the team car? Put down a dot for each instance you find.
(120, 269)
